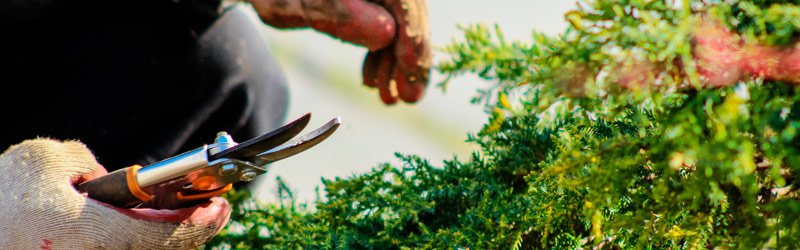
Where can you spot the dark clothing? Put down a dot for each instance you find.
(139, 81)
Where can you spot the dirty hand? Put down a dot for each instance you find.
(41, 209)
(395, 32)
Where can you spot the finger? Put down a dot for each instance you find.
(94, 170)
(387, 87)
(84, 177)
(412, 47)
(411, 82)
(409, 89)
(184, 228)
(369, 71)
(388, 92)
(281, 13)
(378, 67)
(356, 21)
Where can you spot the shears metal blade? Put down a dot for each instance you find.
(264, 142)
(207, 171)
(300, 144)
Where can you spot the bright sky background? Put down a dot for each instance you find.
(324, 78)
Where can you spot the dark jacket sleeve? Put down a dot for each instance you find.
(14, 12)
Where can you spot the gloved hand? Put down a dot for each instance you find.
(40, 208)
(395, 31)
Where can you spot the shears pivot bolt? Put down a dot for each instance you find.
(248, 175)
(228, 169)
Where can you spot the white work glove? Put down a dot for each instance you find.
(40, 209)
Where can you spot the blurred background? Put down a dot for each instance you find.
(324, 77)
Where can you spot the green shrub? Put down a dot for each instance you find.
(569, 159)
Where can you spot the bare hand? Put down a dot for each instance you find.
(395, 31)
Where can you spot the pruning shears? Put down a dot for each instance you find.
(208, 171)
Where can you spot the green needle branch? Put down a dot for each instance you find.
(646, 124)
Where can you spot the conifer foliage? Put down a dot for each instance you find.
(646, 124)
